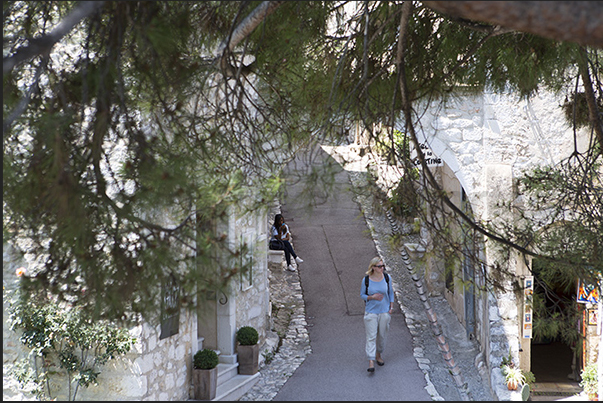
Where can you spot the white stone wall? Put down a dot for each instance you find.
(160, 370)
(473, 133)
(12, 348)
(155, 370)
(488, 141)
(252, 300)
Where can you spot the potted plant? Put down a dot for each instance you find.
(248, 350)
(513, 376)
(590, 381)
(530, 380)
(205, 374)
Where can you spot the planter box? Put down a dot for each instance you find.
(205, 382)
(248, 357)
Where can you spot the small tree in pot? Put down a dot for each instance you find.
(248, 350)
(590, 381)
(205, 374)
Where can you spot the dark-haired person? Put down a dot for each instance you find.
(280, 232)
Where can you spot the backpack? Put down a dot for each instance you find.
(366, 282)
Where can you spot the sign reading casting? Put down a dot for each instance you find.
(430, 158)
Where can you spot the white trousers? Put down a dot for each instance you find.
(376, 326)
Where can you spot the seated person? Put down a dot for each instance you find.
(279, 240)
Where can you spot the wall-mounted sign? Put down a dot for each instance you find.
(592, 316)
(430, 158)
(528, 294)
(587, 293)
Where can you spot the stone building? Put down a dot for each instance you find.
(476, 146)
(159, 367)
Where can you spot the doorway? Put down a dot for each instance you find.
(555, 346)
(207, 320)
(552, 362)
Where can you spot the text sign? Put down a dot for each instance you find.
(528, 293)
(430, 158)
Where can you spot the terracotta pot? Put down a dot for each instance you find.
(512, 385)
(248, 357)
(593, 397)
(205, 383)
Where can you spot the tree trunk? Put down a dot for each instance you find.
(571, 21)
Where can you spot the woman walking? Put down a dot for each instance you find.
(378, 294)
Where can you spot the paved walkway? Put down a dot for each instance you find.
(336, 245)
(322, 355)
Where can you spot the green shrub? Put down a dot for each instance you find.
(63, 343)
(530, 378)
(589, 379)
(247, 336)
(205, 359)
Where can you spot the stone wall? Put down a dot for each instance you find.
(488, 141)
(253, 298)
(160, 369)
(473, 133)
(12, 349)
(155, 370)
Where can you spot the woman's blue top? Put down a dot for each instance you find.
(374, 306)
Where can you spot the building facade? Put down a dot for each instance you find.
(479, 146)
(159, 367)
(476, 146)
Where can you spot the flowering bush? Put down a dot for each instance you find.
(513, 376)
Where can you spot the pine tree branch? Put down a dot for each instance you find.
(593, 110)
(43, 44)
(407, 111)
(570, 21)
(248, 25)
(241, 31)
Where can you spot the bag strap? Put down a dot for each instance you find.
(366, 282)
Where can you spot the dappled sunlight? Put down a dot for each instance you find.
(352, 159)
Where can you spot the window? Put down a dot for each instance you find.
(170, 307)
(246, 260)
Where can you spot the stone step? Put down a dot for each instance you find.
(556, 388)
(227, 372)
(276, 256)
(234, 388)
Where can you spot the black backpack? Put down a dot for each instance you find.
(366, 281)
